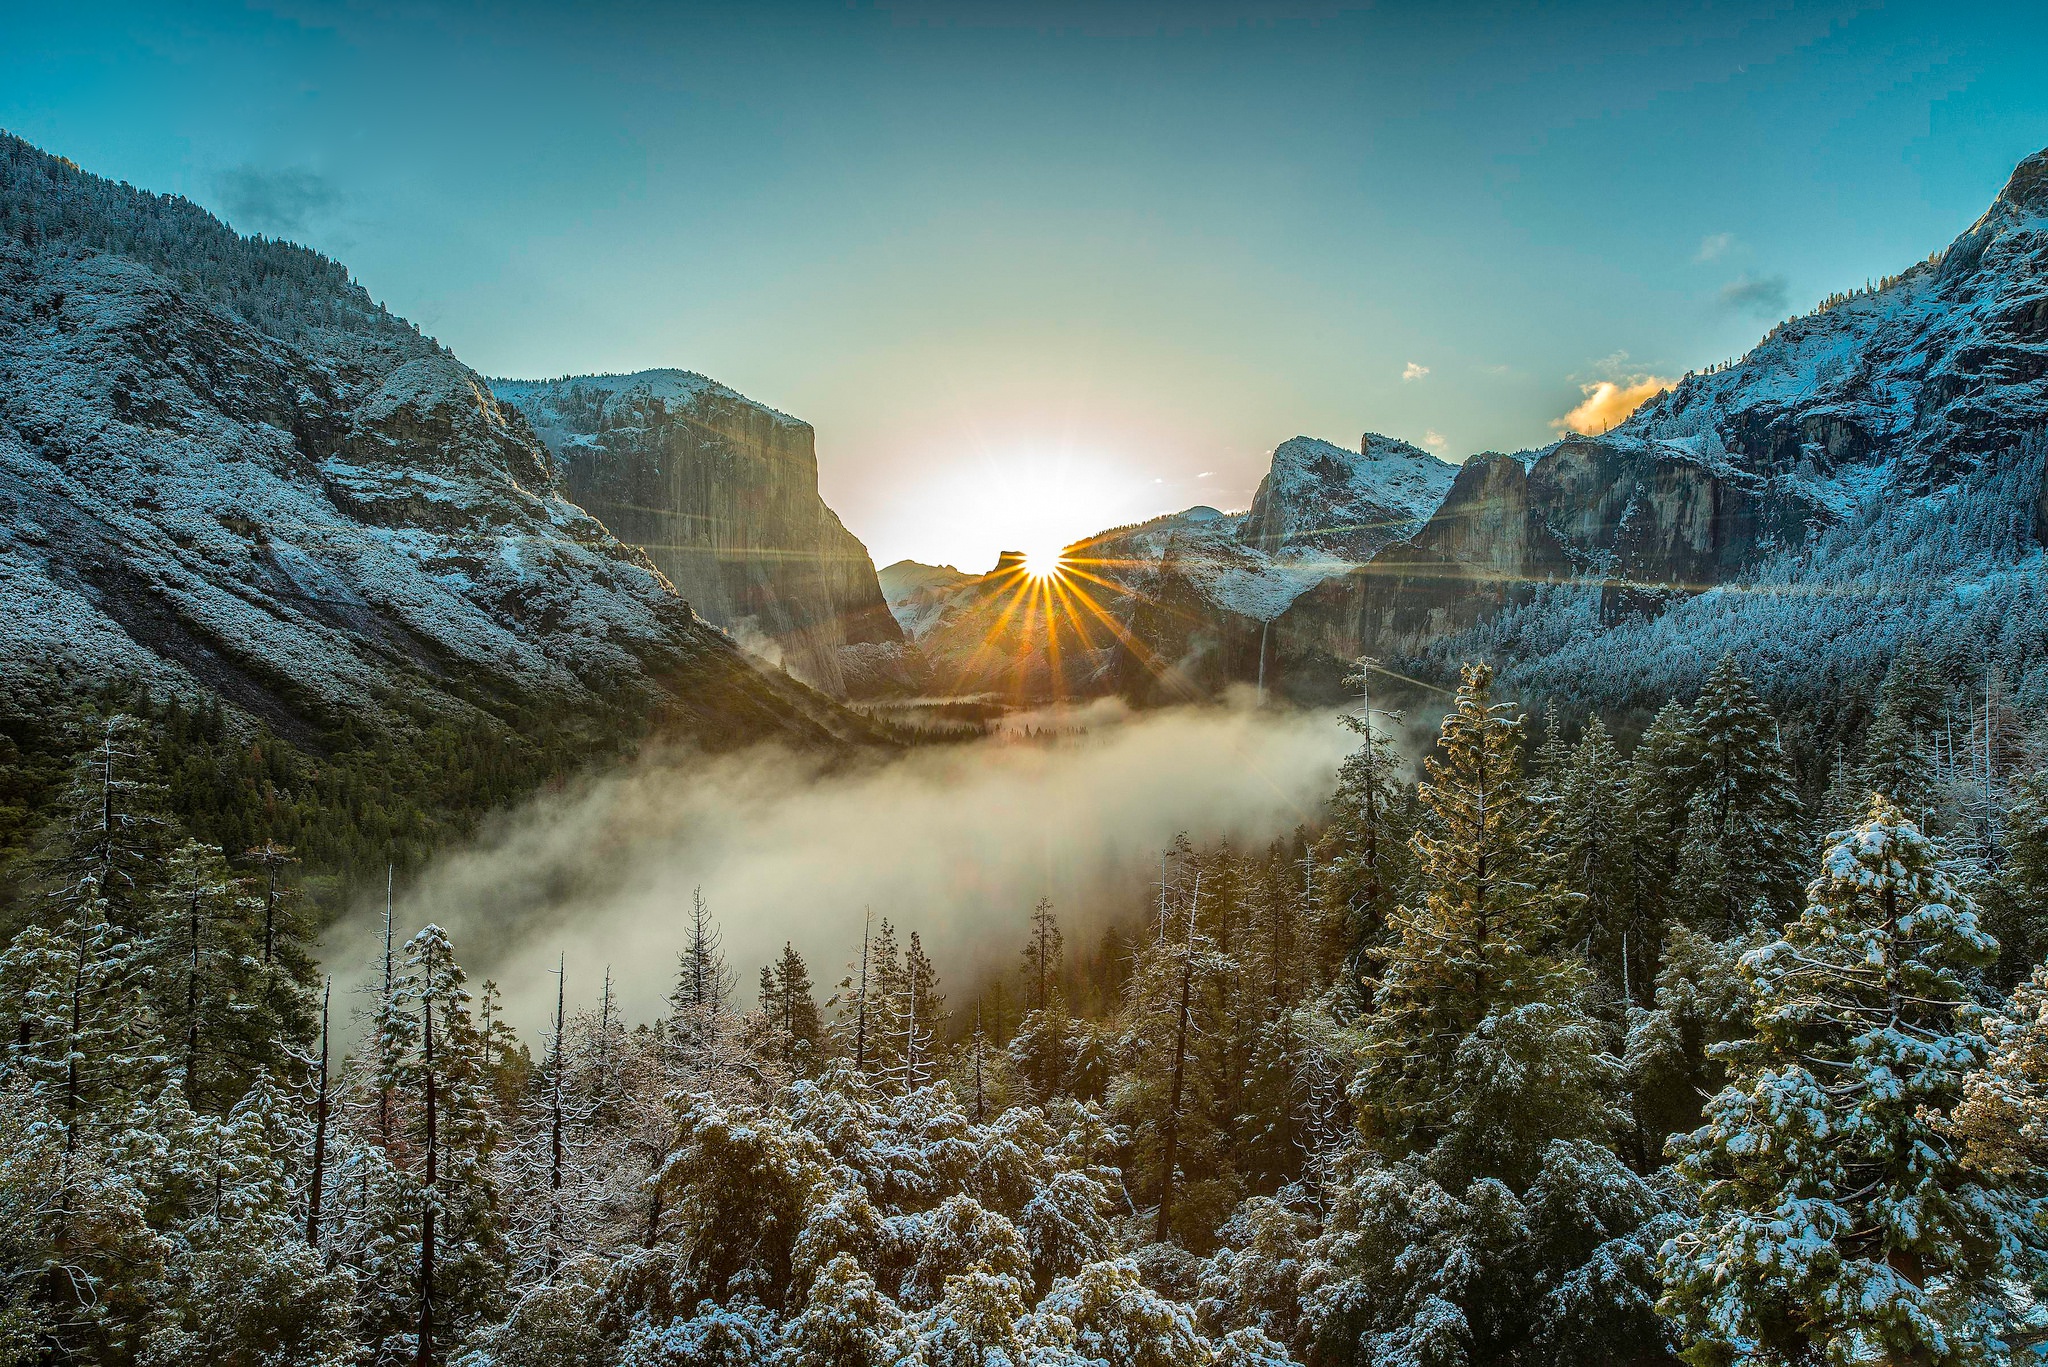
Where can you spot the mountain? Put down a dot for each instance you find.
(1344, 503)
(721, 493)
(226, 473)
(1870, 472)
(1178, 606)
(1879, 460)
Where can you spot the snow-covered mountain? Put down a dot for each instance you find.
(224, 469)
(1345, 503)
(1921, 402)
(721, 493)
(1926, 395)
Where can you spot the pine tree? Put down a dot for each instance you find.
(1467, 980)
(1592, 841)
(2003, 1116)
(1354, 875)
(1840, 1220)
(1042, 959)
(446, 1210)
(886, 1002)
(793, 1012)
(1659, 784)
(919, 1013)
(1741, 776)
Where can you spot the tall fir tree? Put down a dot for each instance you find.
(786, 999)
(1749, 797)
(1468, 979)
(1840, 1220)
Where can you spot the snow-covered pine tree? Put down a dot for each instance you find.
(920, 1013)
(445, 1215)
(704, 987)
(1840, 1220)
(885, 1002)
(1360, 863)
(1659, 782)
(1470, 995)
(1750, 798)
(1590, 834)
(2003, 1116)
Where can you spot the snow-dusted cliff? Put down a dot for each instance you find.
(722, 494)
(224, 468)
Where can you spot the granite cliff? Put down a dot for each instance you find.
(721, 493)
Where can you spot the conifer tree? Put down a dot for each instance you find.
(1042, 948)
(1839, 1218)
(1467, 980)
(1659, 783)
(1749, 797)
(2003, 1116)
(793, 1012)
(886, 1002)
(920, 1012)
(1362, 860)
(1592, 840)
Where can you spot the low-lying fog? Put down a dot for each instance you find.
(956, 842)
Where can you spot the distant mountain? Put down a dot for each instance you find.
(1344, 503)
(721, 493)
(1159, 611)
(225, 471)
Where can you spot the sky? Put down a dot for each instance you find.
(1035, 269)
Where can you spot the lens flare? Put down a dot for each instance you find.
(1044, 562)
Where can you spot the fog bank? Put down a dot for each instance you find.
(955, 842)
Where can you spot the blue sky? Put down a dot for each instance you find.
(1033, 269)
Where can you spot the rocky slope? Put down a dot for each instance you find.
(721, 493)
(224, 470)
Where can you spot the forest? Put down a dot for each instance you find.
(1546, 1049)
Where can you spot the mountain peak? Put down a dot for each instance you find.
(1325, 497)
(2028, 187)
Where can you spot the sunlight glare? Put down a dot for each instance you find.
(1043, 562)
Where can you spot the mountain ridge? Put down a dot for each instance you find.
(225, 472)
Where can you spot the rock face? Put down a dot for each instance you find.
(722, 495)
(224, 469)
(1345, 504)
(1644, 524)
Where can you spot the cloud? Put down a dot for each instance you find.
(1714, 246)
(955, 842)
(274, 200)
(1412, 371)
(1764, 296)
(1433, 439)
(1608, 402)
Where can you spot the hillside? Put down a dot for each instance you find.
(227, 475)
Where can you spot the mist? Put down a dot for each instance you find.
(955, 842)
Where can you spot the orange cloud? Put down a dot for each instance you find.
(1610, 401)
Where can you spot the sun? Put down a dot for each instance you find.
(1044, 562)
